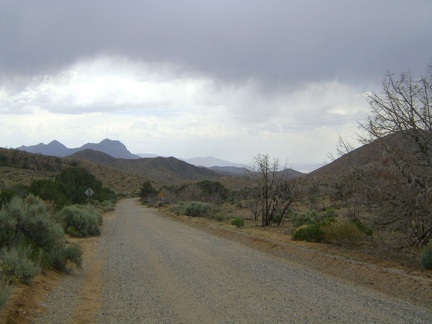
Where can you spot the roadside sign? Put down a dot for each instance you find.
(89, 192)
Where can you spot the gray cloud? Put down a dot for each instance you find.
(202, 77)
(273, 41)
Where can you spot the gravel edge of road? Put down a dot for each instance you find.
(397, 283)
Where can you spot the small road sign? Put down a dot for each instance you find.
(89, 192)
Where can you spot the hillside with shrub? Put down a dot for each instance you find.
(32, 229)
(18, 169)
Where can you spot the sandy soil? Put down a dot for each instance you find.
(393, 278)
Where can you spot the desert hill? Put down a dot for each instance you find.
(124, 176)
(372, 154)
(159, 169)
(359, 157)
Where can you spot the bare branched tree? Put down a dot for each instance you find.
(276, 191)
(401, 186)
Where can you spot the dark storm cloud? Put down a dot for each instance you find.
(272, 41)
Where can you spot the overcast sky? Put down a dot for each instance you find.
(189, 78)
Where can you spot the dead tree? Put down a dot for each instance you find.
(276, 191)
(400, 123)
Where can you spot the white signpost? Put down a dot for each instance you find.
(89, 192)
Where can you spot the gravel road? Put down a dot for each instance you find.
(157, 270)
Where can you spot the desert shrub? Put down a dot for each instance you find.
(104, 206)
(69, 186)
(362, 227)
(39, 256)
(159, 204)
(29, 221)
(17, 265)
(342, 232)
(30, 238)
(426, 257)
(80, 220)
(309, 233)
(147, 191)
(197, 209)
(238, 221)
(328, 213)
(69, 255)
(213, 190)
(50, 190)
(6, 196)
(180, 208)
(308, 218)
(73, 254)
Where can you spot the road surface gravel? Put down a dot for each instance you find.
(157, 270)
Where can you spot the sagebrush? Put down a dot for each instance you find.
(197, 209)
(80, 220)
(31, 239)
(342, 232)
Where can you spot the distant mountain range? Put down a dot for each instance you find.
(114, 148)
(118, 150)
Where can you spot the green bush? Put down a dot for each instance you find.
(104, 206)
(328, 213)
(30, 238)
(197, 209)
(69, 188)
(426, 257)
(6, 197)
(312, 217)
(69, 255)
(363, 228)
(309, 233)
(29, 221)
(213, 189)
(73, 254)
(307, 218)
(107, 206)
(147, 191)
(80, 220)
(342, 232)
(238, 221)
(17, 266)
